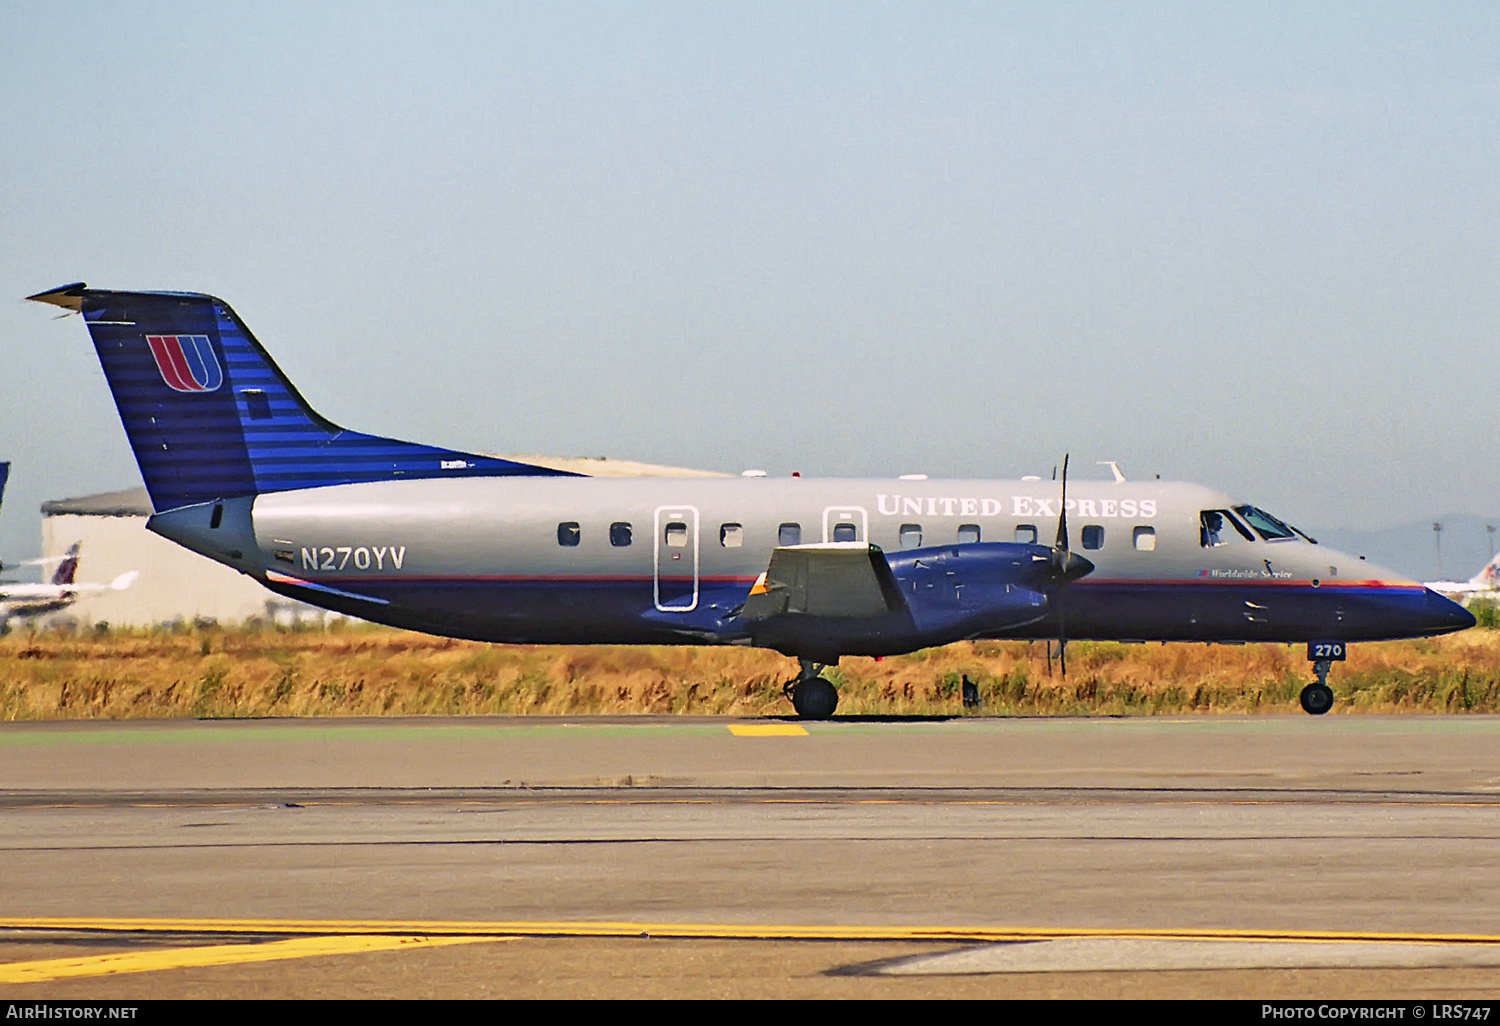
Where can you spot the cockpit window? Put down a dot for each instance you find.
(1218, 527)
(1267, 526)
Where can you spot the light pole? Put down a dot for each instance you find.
(1437, 534)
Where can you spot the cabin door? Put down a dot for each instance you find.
(845, 524)
(676, 577)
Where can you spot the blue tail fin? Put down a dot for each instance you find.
(4, 475)
(210, 415)
(68, 568)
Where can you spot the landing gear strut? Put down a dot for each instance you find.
(1317, 698)
(812, 696)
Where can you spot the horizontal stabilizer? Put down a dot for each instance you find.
(69, 297)
(838, 580)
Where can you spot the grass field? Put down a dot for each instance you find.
(356, 670)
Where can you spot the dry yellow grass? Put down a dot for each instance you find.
(365, 671)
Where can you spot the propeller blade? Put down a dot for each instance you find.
(1062, 633)
(1068, 567)
(1062, 513)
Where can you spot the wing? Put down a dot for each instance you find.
(847, 579)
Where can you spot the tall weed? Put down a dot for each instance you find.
(211, 671)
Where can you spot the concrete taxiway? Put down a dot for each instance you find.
(1349, 855)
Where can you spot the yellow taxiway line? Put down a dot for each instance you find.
(219, 954)
(767, 730)
(477, 929)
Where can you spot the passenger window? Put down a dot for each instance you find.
(1093, 537)
(731, 536)
(1218, 527)
(968, 534)
(1144, 539)
(569, 534)
(619, 534)
(845, 533)
(1026, 534)
(677, 535)
(789, 534)
(911, 536)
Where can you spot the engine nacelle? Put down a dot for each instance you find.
(938, 595)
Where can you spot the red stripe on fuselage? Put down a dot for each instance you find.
(1189, 582)
(524, 578)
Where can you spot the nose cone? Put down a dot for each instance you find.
(1445, 615)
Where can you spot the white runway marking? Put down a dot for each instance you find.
(1120, 954)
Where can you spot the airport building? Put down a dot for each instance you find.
(178, 586)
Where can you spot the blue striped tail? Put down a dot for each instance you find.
(210, 416)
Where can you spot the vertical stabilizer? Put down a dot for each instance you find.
(1488, 578)
(210, 415)
(68, 568)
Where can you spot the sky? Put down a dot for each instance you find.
(1249, 245)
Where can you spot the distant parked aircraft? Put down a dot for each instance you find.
(1485, 584)
(27, 600)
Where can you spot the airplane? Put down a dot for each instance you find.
(27, 600)
(240, 468)
(1484, 584)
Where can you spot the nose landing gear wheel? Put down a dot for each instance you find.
(1317, 699)
(815, 698)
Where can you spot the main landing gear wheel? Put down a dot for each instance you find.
(812, 696)
(814, 699)
(1317, 699)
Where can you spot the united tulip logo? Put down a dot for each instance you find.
(187, 362)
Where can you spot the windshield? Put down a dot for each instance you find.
(1267, 526)
(1214, 528)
